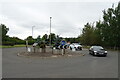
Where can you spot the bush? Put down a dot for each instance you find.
(8, 43)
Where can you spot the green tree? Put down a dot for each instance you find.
(53, 38)
(105, 32)
(111, 25)
(30, 40)
(4, 30)
(87, 36)
(45, 37)
(98, 33)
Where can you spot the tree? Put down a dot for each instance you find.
(53, 38)
(45, 37)
(30, 40)
(105, 32)
(16, 40)
(4, 30)
(111, 25)
(87, 36)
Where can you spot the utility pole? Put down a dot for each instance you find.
(80, 30)
(50, 31)
(32, 30)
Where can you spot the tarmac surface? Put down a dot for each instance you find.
(87, 66)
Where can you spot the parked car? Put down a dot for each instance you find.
(97, 51)
(75, 46)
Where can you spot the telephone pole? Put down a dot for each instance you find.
(50, 31)
(32, 30)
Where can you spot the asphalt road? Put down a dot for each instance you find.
(87, 66)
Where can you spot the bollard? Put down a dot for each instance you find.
(62, 51)
(52, 51)
(40, 50)
(34, 49)
(73, 49)
(29, 49)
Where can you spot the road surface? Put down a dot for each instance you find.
(87, 66)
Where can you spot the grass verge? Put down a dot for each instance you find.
(2, 46)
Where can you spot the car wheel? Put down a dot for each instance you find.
(80, 48)
(70, 48)
(76, 49)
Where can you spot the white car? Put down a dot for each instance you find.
(75, 46)
(35, 44)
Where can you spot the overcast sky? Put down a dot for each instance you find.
(68, 18)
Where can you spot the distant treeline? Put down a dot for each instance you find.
(6, 40)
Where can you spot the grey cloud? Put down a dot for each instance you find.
(67, 17)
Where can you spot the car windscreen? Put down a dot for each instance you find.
(76, 44)
(97, 49)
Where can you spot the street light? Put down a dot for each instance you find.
(32, 30)
(50, 30)
(80, 30)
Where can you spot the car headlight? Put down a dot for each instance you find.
(80, 46)
(105, 51)
(95, 51)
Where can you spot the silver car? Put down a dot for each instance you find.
(75, 46)
(97, 51)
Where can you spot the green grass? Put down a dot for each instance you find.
(1, 46)
(87, 47)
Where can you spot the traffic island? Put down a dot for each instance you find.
(40, 49)
(53, 53)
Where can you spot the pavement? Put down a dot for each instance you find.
(87, 66)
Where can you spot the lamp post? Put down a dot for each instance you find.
(80, 30)
(32, 30)
(50, 30)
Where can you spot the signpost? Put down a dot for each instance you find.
(63, 42)
(26, 45)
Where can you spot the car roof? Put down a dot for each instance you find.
(97, 46)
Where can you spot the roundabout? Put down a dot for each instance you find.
(50, 54)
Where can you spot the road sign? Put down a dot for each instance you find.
(63, 42)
